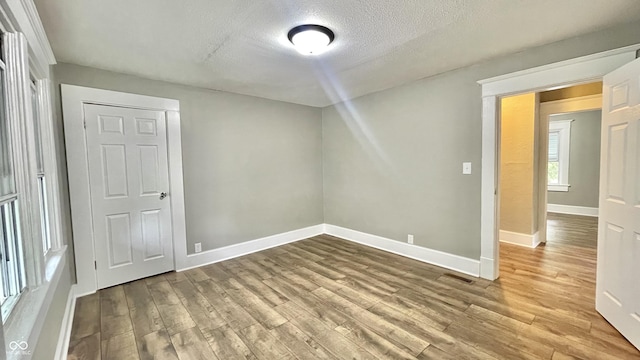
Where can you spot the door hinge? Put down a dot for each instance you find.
(84, 123)
(95, 265)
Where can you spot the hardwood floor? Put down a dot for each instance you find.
(326, 298)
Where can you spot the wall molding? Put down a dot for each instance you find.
(65, 327)
(22, 16)
(515, 238)
(573, 210)
(248, 247)
(36, 25)
(567, 72)
(430, 256)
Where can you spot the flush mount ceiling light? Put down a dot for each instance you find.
(311, 39)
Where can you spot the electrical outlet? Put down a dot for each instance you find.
(410, 239)
(466, 168)
(198, 247)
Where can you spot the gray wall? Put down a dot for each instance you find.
(584, 161)
(393, 159)
(252, 167)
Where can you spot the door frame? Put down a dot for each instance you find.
(570, 72)
(73, 100)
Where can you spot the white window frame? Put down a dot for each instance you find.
(50, 161)
(30, 55)
(563, 128)
(42, 270)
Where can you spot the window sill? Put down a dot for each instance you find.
(563, 188)
(25, 322)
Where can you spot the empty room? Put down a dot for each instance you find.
(319, 179)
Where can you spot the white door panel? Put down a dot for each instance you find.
(128, 170)
(618, 275)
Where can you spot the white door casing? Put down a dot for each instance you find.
(570, 72)
(618, 282)
(74, 99)
(128, 172)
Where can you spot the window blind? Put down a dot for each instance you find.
(554, 146)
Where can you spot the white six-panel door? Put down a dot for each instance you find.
(618, 275)
(128, 173)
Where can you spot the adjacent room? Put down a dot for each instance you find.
(320, 179)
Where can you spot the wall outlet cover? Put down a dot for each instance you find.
(410, 239)
(466, 168)
(198, 247)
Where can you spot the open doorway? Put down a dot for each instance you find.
(549, 166)
(571, 121)
(616, 257)
(574, 71)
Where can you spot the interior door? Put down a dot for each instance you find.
(618, 275)
(129, 178)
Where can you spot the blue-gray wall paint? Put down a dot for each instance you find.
(584, 161)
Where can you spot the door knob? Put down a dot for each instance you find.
(163, 195)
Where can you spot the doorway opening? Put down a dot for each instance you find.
(579, 70)
(549, 164)
(618, 212)
(572, 119)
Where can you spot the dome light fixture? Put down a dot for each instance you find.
(311, 39)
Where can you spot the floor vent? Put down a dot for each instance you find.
(457, 277)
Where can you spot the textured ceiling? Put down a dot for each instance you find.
(241, 46)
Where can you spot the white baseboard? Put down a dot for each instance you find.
(434, 257)
(248, 247)
(515, 238)
(572, 210)
(65, 328)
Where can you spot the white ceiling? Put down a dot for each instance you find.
(241, 46)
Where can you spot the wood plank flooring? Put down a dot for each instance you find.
(327, 298)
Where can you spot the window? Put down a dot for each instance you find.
(42, 182)
(27, 245)
(559, 145)
(12, 274)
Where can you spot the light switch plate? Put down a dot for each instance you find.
(466, 168)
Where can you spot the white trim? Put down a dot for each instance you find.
(27, 318)
(515, 238)
(573, 71)
(559, 74)
(73, 98)
(489, 196)
(47, 129)
(24, 17)
(116, 98)
(488, 266)
(573, 210)
(38, 29)
(561, 124)
(64, 336)
(248, 247)
(176, 189)
(21, 127)
(563, 128)
(558, 187)
(430, 256)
